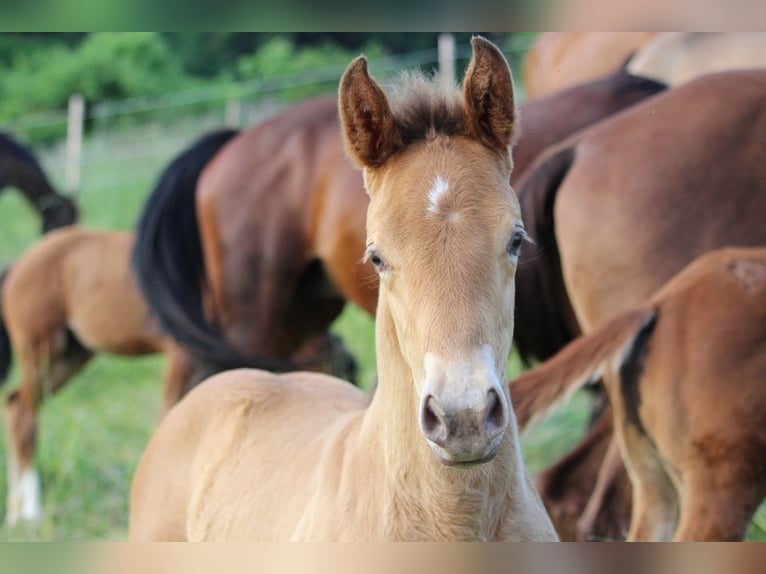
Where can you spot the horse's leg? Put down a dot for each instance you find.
(24, 498)
(712, 512)
(655, 499)
(607, 473)
(179, 370)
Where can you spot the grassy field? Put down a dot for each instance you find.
(93, 432)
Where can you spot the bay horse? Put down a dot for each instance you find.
(20, 169)
(658, 202)
(434, 454)
(560, 60)
(251, 243)
(688, 396)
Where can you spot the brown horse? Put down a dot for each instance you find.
(684, 176)
(20, 169)
(688, 393)
(435, 454)
(70, 295)
(263, 250)
(559, 60)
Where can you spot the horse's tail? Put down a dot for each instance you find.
(6, 355)
(541, 328)
(169, 265)
(167, 257)
(617, 346)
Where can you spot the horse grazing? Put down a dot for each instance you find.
(20, 169)
(434, 455)
(559, 60)
(658, 202)
(688, 394)
(70, 295)
(678, 57)
(251, 243)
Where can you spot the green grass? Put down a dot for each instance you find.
(92, 433)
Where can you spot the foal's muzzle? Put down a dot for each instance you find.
(464, 420)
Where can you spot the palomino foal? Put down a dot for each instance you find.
(435, 454)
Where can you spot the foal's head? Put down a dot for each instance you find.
(444, 232)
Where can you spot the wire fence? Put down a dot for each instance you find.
(126, 143)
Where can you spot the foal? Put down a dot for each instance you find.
(70, 295)
(435, 454)
(688, 396)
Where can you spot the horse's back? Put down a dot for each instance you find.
(666, 181)
(242, 445)
(678, 57)
(34, 292)
(81, 279)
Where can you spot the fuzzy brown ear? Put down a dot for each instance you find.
(369, 133)
(488, 99)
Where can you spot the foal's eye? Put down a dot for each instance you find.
(514, 245)
(374, 257)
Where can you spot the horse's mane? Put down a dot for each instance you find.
(422, 108)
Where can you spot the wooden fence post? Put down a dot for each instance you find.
(446, 51)
(75, 119)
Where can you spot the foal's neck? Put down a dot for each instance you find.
(438, 501)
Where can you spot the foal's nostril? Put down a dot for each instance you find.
(497, 418)
(432, 421)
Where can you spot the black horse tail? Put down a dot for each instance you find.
(169, 265)
(6, 355)
(541, 326)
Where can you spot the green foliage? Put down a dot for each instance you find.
(279, 58)
(103, 67)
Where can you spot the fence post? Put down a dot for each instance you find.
(75, 118)
(446, 51)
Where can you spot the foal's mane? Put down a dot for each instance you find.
(422, 108)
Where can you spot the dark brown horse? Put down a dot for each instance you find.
(622, 207)
(20, 169)
(257, 246)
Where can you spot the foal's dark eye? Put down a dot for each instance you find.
(514, 245)
(374, 257)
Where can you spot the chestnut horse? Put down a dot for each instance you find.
(559, 60)
(685, 175)
(434, 455)
(20, 169)
(688, 396)
(70, 295)
(262, 252)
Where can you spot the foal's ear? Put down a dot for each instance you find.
(368, 124)
(488, 100)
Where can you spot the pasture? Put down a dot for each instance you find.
(93, 431)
